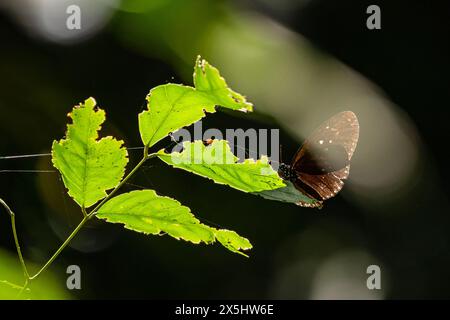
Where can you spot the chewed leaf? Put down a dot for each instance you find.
(173, 106)
(88, 166)
(287, 194)
(145, 211)
(170, 107)
(233, 242)
(208, 80)
(217, 162)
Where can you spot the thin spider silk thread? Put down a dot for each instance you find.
(35, 155)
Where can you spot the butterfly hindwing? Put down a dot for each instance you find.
(326, 185)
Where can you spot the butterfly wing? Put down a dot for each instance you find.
(327, 185)
(323, 161)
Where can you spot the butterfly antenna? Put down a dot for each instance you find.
(281, 153)
(246, 150)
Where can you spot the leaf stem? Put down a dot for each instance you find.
(92, 213)
(61, 248)
(16, 239)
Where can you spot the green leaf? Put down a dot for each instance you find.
(287, 194)
(233, 242)
(217, 162)
(173, 106)
(208, 80)
(88, 166)
(145, 211)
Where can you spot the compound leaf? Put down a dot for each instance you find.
(216, 161)
(145, 211)
(173, 106)
(88, 166)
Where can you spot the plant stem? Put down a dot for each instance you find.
(92, 214)
(16, 240)
(61, 248)
(19, 251)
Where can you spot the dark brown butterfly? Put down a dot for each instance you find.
(323, 161)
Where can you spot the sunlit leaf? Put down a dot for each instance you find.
(232, 241)
(145, 211)
(208, 80)
(88, 166)
(217, 162)
(173, 106)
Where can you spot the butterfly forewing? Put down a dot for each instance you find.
(323, 161)
(317, 160)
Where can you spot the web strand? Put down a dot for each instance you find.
(36, 155)
(33, 155)
(27, 171)
(46, 154)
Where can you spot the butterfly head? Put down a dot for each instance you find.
(286, 172)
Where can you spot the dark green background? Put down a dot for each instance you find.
(40, 81)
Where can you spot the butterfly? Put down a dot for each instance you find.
(323, 161)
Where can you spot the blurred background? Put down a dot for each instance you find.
(299, 62)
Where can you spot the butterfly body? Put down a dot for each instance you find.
(323, 161)
(286, 172)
